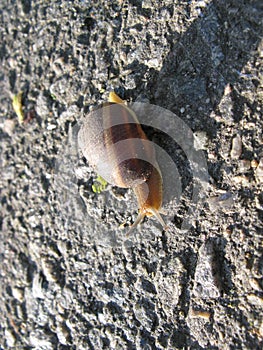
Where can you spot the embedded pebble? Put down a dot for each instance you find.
(96, 338)
(51, 126)
(153, 63)
(261, 329)
(236, 147)
(42, 106)
(255, 284)
(37, 287)
(10, 338)
(167, 286)
(200, 314)
(82, 172)
(254, 163)
(200, 140)
(63, 333)
(259, 171)
(70, 113)
(255, 300)
(259, 204)
(225, 201)
(205, 285)
(241, 180)
(8, 126)
(9, 173)
(51, 269)
(244, 165)
(40, 340)
(146, 4)
(18, 293)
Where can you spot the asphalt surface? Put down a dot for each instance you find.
(69, 276)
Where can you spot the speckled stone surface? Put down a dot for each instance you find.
(65, 283)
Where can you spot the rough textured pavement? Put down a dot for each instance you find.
(65, 282)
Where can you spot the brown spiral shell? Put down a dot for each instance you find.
(113, 142)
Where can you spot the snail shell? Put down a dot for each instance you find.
(114, 144)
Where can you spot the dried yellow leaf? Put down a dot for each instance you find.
(17, 105)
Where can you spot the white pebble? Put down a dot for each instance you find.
(51, 127)
(236, 147)
(259, 171)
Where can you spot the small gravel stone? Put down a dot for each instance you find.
(224, 201)
(8, 127)
(206, 285)
(241, 180)
(244, 165)
(10, 338)
(18, 293)
(200, 140)
(259, 171)
(236, 147)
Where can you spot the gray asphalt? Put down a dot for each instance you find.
(70, 278)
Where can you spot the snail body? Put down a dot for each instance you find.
(113, 142)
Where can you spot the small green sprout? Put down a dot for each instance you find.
(53, 96)
(99, 185)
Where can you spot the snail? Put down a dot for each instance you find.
(113, 142)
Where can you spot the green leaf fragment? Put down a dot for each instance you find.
(17, 105)
(99, 185)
